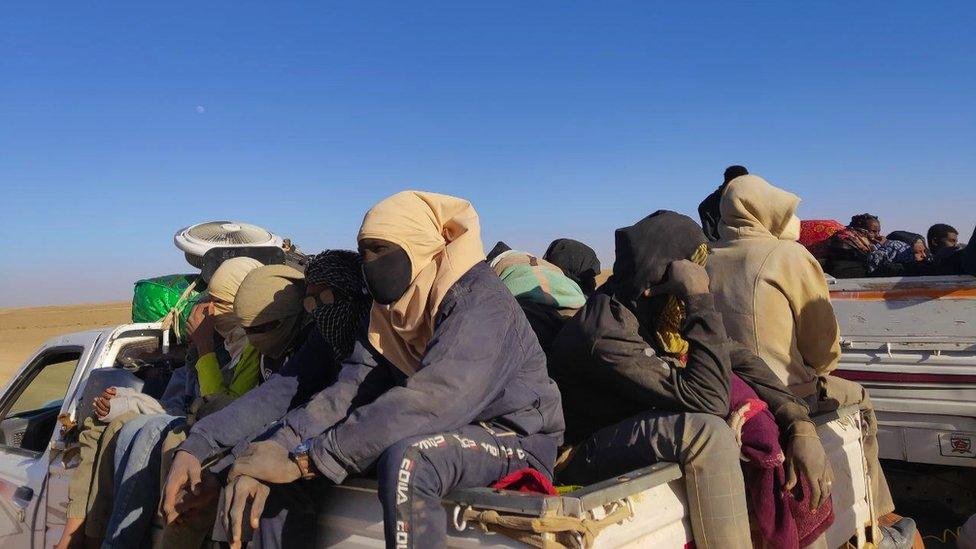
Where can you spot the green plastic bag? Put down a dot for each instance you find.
(154, 297)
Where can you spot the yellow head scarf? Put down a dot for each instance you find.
(442, 238)
(673, 317)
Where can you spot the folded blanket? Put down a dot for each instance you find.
(130, 400)
(784, 521)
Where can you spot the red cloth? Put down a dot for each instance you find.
(783, 521)
(814, 234)
(527, 480)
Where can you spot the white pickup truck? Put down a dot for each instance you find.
(47, 392)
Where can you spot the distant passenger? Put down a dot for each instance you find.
(708, 210)
(547, 296)
(942, 237)
(861, 250)
(774, 299)
(645, 377)
(451, 390)
(577, 260)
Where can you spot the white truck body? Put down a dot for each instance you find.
(912, 343)
(33, 482)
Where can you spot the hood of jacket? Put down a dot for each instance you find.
(753, 208)
(644, 250)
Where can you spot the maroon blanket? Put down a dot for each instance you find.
(784, 521)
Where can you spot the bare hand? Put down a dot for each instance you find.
(805, 456)
(236, 496)
(201, 327)
(103, 404)
(184, 477)
(683, 278)
(266, 461)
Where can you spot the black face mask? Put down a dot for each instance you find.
(388, 276)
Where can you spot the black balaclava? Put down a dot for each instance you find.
(339, 322)
(388, 276)
(577, 260)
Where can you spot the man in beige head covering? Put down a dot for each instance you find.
(774, 299)
(269, 307)
(448, 351)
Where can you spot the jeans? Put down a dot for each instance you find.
(705, 448)
(137, 484)
(413, 474)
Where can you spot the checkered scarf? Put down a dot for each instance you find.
(339, 322)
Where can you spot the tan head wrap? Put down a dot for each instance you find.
(268, 294)
(223, 286)
(442, 238)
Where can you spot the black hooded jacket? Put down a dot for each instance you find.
(606, 360)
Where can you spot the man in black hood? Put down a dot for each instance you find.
(645, 377)
(708, 209)
(577, 260)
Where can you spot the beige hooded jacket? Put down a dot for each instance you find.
(771, 292)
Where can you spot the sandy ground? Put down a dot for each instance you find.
(23, 330)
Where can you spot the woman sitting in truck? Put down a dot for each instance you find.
(448, 390)
(774, 298)
(126, 420)
(645, 377)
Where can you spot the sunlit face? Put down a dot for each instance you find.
(919, 251)
(873, 229)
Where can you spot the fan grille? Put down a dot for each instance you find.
(229, 232)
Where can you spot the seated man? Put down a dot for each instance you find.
(645, 377)
(448, 390)
(708, 210)
(337, 304)
(942, 237)
(774, 298)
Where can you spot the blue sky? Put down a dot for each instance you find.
(120, 124)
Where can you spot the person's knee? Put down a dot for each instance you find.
(404, 468)
(708, 438)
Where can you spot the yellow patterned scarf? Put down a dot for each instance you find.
(673, 316)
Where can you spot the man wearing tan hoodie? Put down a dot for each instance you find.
(774, 299)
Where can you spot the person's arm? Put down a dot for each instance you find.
(630, 367)
(361, 380)
(173, 400)
(310, 369)
(467, 365)
(209, 375)
(247, 373)
(785, 407)
(798, 276)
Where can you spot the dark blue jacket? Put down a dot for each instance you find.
(308, 371)
(483, 364)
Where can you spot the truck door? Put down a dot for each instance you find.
(29, 409)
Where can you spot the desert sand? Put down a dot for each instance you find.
(23, 330)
